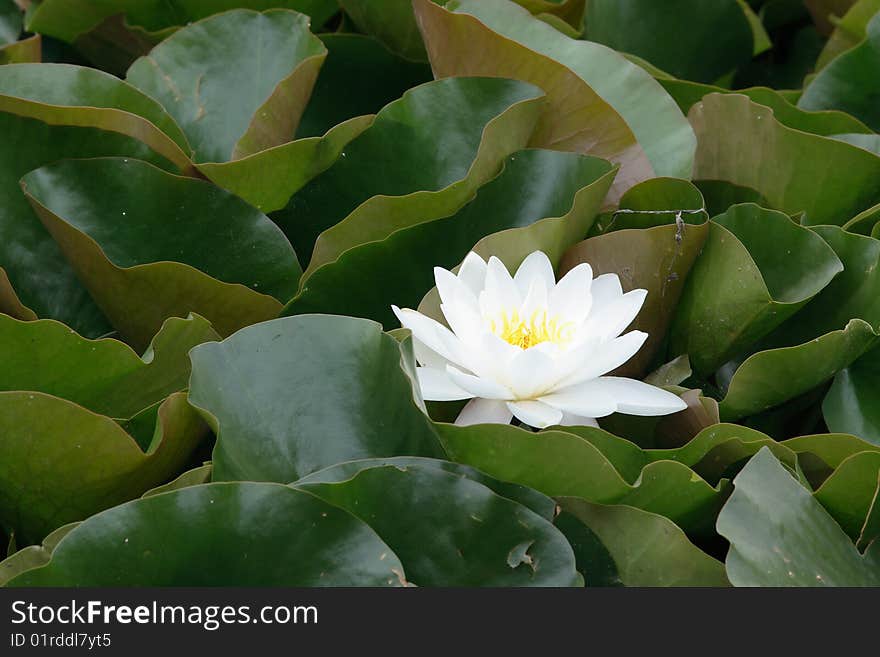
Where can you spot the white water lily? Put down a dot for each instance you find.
(531, 348)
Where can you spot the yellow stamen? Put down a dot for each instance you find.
(538, 328)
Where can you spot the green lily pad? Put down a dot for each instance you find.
(268, 179)
(448, 529)
(587, 111)
(105, 376)
(33, 556)
(741, 142)
(298, 394)
(230, 534)
(849, 82)
(657, 259)
(541, 504)
(194, 477)
(647, 549)
(160, 265)
(769, 378)
(852, 404)
(84, 123)
(391, 22)
(669, 34)
(561, 463)
(424, 156)
(61, 462)
(781, 536)
(270, 59)
(832, 448)
(76, 95)
(360, 76)
(870, 143)
(534, 185)
(69, 19)
(848, 31)
(849, 492)
(28, 50)
(853, 293)
(757, 269)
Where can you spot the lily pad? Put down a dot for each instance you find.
(61, 462)
(424, 156)
(235, 534)
(657, 259)
(105, 376)
(757, 269)
(669, 34)
(533, 186)
(852, 405)
(136, 237)
(647, 549)
(849, 82)
(588, 110)
(781, 536)
(741, 142)
(360, 76)
(298, 394)
(449, 530)
(849, 492)
(270, 59)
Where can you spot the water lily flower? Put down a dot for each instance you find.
(528, 347)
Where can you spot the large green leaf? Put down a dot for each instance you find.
(647, 549)
(853, 293)
(849, 492)
(848, 31)
(741, 142)
(423, 156)
(589, 109)
(268, 179)
(561, 463)
(269, 59)
(657, 259)
(60, 462)
(769, 378)
(10, 22)
(32, 556)
(852, 405)
(658, 125)
(225, 534)
(757, 269)
(391, 22)
(448, 529)
(75, 95)
(47, 113)
(534, 185)
(781, 536)
(849, 83)
(150, 245)
(28, 50)
(298, 394)
(359, 76)
(693, 39)
(68, 19)
(105, 376)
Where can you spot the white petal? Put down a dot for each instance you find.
(535, 413)
(466, 323)
(436, 385)
(535, 300)
(605, 289)
(500, 294)
(477, 386)
(571, 299)
(638, 398)
(530, 373)
(433, 335)
(536, 267)
(571, 420)
(588, 399)
(452, 290)
(427, 356)
(610, 321)
(473, 273)
(484, 411)
(595, 359)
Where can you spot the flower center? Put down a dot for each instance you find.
(525, 333)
